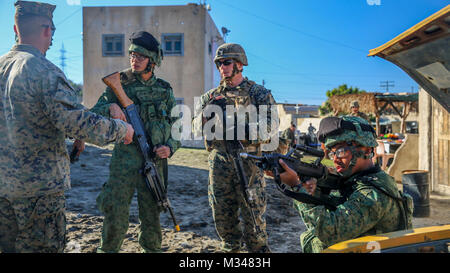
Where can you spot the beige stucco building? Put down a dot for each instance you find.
(188, 36)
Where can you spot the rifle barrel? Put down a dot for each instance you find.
(309, 150)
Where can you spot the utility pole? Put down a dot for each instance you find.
(63, 58)
(225, 32)
(387, 84)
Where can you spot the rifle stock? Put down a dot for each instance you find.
(113, 81)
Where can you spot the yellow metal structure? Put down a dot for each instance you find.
(380, 242)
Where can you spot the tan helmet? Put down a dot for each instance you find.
(233, 51)
(354, 104)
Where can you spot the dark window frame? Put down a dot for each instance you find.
(114, 52)
(172, 37)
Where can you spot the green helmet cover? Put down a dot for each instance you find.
(363, 138)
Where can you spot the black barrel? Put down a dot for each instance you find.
(415, 183)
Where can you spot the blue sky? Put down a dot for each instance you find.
(300, 48)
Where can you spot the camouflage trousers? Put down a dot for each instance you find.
(114, 202)
(226, 200)
(311, 243)
(33, 225)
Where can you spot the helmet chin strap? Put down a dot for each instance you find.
(348, 172)
(149, 68)
(355, 155)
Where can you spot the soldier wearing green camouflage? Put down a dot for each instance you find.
(39, 108)
(288, 135)
(354, 110)
(225, 193)
(371, 202)
(155, 99)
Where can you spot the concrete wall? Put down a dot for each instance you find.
(213, 40)
(406, 157)
(434, 143)
(285, 118)
(186, 73)
(424, 131)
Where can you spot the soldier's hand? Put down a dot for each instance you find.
(129, 136)
(116, 113)
(310, 185)
(79, 144)
(289, 177)
(162, 151)
(268, 173)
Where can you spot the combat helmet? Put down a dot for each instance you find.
(354, 103)
(229, 50)
(333, 130)
(146, 44)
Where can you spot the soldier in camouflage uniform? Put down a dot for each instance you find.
(155, 99)
(225, 193)
(354, 109)
(370, 201)
(38, 109)
(288, 135)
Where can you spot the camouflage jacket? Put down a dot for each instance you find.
(39, 109)
(361, 115)
(366, 210)
(154, 98)
(288, 134)
(246, 93)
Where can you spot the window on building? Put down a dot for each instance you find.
(113, 45)
(173, 44)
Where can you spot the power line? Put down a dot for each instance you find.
(63, 58)
(387, 84)
(72, 14)
(294, 29)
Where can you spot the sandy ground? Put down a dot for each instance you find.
(188, 179)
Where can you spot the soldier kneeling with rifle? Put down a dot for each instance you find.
(359, 200)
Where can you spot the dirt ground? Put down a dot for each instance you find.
(188, 180)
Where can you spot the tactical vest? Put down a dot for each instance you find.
(238, 97)
(403, 201)
(152, 106)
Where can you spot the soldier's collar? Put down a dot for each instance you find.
(369, 171)
(241, 86)
(27, 48)
(149, 82)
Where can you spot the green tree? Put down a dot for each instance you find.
(340, 90)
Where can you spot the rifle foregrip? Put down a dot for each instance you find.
(113, 81)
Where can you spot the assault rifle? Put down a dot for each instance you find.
(234, 149)
(152, 178)
(326, 181)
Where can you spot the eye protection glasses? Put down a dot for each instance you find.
(340, 153)
(137, 57)
(224, 62)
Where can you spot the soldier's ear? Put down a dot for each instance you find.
(47, 32)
